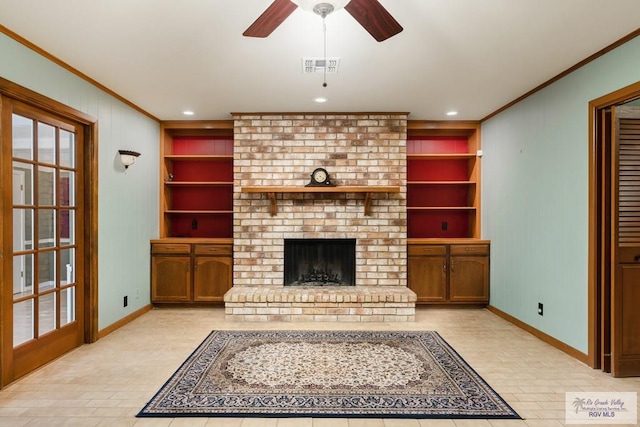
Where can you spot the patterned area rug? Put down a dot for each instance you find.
(326, 374)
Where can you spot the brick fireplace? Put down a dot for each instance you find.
(278, 152)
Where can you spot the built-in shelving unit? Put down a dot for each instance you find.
(197, 180)
(443, 174)
(192, 261)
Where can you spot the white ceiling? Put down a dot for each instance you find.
(473, 56)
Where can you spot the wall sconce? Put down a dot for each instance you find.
(128, 157)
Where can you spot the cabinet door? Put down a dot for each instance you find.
(428, 277)
(170, 278)
(212, 278)
(469, 279)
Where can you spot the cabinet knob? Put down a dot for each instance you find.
(444, 266)
(636, 258)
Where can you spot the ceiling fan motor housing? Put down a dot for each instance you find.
(323, 9)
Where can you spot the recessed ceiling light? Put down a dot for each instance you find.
(321, 99)
(452, 113)
(188, 113)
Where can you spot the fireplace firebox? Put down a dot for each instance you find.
(319, 262)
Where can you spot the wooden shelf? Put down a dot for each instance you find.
(368, 191)
(432, 240)
(441, 156)
(197, 157)
(440, 208)
(204, 212)
(441, 182)
(197, 183)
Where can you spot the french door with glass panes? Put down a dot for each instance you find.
(43, 308)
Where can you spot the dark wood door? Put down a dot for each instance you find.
(211, 278)
(428, 277)
(625, 288)
(469, 279)
(170, 278)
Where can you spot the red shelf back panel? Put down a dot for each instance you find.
(438, 195)
(201, 225)
(203, 171)
(437, 170)
(429, 224)
(437, 145)
(202, 198)
(205, 145)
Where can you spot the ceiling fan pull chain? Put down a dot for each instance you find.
(324, 32)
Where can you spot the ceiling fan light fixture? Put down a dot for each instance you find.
(309, 5)
(323, 9)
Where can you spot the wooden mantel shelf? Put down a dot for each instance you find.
(368, 190)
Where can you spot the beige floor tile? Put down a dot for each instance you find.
(153, 422)
(224, 422)
(507, 423)
(189, 422)
(330, 422)
(295, 422)
(437, 423)
(401, 422)
(366, 422)
(259, 422)
(105, 384)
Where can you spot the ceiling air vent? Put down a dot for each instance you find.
(320, 65)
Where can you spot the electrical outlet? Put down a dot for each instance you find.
(540, 309)
(445, 225)
(126, 301)
(194, 224)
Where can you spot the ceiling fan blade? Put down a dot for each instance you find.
(271, 18)
(374, 18)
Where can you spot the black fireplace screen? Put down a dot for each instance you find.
(320, 262)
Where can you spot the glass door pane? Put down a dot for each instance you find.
(44, 228)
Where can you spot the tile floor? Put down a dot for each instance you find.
(106, 383)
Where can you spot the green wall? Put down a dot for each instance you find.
(535, 197)
(128, 202)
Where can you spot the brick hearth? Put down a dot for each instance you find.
(356, 150)
(325, 304)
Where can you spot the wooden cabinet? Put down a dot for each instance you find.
(446, 272)
(427, 266)
(212, 266)
(192, 262)
(188, 272)
(443, 180)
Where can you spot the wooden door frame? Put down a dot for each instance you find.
(594, 285)
(89, 124)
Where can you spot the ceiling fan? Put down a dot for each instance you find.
(369, 13)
